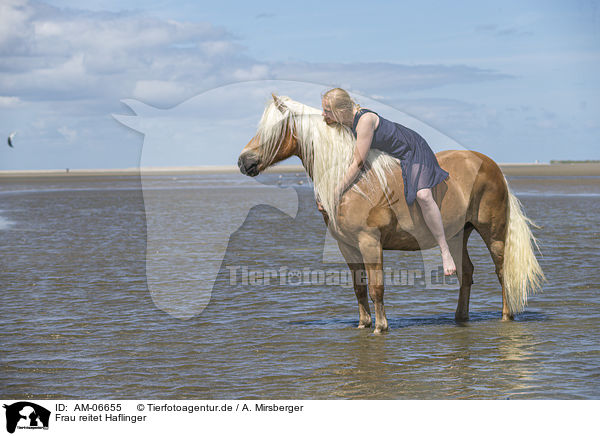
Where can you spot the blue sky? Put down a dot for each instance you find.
(517, 81)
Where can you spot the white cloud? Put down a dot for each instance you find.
(217, 48)
(69, 54)
(9, 101)
(503, 31)
(69, 134)
(255, 72)
(161, 91)
(15, 16)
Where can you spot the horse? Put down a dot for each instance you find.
(373, 215)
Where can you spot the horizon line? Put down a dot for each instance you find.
(509, 168)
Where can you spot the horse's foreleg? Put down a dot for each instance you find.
(464, 271)
(359, 280)
(372, 254)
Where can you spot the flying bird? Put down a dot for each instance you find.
(10, 138)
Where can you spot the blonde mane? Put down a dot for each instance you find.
(326, 151)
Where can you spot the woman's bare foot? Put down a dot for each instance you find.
(448, 262)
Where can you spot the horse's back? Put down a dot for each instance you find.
(466, 163)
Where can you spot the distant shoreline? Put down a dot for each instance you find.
(509, 169)
(151, 171)
(582, 169)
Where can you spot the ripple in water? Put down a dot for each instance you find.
(78, 320)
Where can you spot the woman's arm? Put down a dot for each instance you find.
(364, 136)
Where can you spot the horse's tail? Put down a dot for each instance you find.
(523, 275)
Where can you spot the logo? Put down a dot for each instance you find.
(26, 415)
(192, 263)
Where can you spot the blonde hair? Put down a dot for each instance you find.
(523, 275)
(340, 104)
(326, 151)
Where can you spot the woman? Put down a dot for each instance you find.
(420, 169)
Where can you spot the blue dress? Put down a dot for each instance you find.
(420, 168)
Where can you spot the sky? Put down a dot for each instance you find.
(516, 80)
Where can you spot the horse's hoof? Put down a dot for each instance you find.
(461, 317)
(380, 330)
(507, 317)
(363, 324)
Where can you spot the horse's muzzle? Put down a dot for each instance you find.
(248, 164)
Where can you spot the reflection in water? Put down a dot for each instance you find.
(517, 350)
(365, 367)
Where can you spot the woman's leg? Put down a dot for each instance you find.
(433, 219)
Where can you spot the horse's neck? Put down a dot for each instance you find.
(306, 155)
(310, 153)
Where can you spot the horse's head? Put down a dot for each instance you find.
(275, 140)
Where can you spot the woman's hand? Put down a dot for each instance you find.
(323, 212)
(365, 130)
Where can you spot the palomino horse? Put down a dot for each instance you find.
(373, 215)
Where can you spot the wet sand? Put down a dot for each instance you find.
(559, 169)
(509, 169)
(151, 171)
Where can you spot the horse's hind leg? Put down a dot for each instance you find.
(494, 236)
(464, 271)
(496, 249)
(359, 279)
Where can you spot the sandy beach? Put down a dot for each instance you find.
(151, 171)
(554, 169)
(509, 169)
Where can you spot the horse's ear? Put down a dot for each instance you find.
(279, 103)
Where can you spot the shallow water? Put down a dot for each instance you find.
(79, 321)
